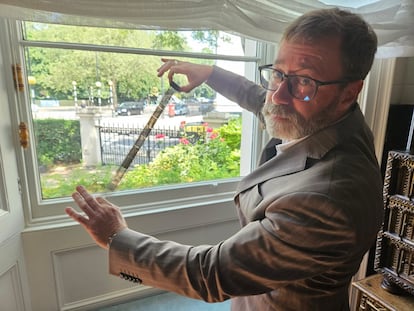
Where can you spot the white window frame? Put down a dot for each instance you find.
(50, 212)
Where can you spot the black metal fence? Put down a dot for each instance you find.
(116, 142)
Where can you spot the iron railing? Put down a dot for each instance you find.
(116, 141)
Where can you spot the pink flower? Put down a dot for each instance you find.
(159, 136)
(213, 135)
(209, 130)
(184, 141)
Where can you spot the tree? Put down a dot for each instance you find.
(168, 39)
(133, 76)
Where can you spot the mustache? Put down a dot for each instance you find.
(283, 111)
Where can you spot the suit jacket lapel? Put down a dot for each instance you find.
(269, 151)
(283, 164)
(295, 158)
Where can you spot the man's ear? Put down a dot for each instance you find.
(351, 92)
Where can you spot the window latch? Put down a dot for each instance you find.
(18, 77)
(23, 135)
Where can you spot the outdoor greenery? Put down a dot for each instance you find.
(102, 78)
(57, 141)
(214, 157)
(54, 71)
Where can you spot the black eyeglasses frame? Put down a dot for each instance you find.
(318, 83)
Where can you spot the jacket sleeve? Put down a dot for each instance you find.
(244, 92)
(284, 246)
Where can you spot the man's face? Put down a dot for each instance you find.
(289, 118)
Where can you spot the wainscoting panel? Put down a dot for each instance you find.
(67, 271)
(11, 296)
(82, 276)
(14, 293)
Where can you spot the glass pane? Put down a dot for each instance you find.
(89, 107)
(211, 41)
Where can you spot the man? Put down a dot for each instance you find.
(309, 211)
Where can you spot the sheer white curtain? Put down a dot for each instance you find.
(265, 20)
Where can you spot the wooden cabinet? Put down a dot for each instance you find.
(372, 297)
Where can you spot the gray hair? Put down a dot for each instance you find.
(358, 39)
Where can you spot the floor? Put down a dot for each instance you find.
(170, 302)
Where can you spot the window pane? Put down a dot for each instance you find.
(89, 107)
(212, 41)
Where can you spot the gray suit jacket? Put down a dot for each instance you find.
(307, 215)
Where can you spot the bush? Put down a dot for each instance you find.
(217, 157)
(58, 141)
(214, 157)
(231, 133)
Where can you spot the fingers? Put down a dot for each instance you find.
(168, 63)
(102, 218)
(194, 76)
(91, 200)
(173, 66)
(86, 196)
(85, 201)
(102, 200)
(76, 216)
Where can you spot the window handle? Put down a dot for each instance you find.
(18, 77)
(23, 135)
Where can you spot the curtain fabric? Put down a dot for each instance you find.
(393, 20)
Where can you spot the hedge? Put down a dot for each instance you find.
(58, 141)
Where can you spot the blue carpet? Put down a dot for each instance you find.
(170, 302)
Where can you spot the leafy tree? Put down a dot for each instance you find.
(132, 76)
(168, 39)
(210, 37)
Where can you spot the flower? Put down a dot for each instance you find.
(184, 141)
(159, 136)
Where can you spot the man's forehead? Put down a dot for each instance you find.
(301, 52)
(306, 55)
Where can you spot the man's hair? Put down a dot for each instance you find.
(358, 39)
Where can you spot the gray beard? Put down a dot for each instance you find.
(295, 125)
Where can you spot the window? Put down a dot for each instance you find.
(90, 93)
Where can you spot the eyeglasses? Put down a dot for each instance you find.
(300, 87)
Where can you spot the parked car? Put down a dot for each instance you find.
(130, 108)
(206, 105)
(181, 109)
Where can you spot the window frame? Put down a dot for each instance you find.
(50, 212)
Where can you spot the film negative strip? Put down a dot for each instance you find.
(116, 179)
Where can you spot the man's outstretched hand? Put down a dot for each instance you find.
(196, 73)
(101, 220)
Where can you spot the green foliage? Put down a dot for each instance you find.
(62, 181)
(231, 133)
(133, 76)
(57, 141)
(216, 157)
(186, 163)
(210, 37)
(168, 39)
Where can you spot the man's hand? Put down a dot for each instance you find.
(102, 219)
(196, 73)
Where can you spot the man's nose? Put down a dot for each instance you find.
(282, 94)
